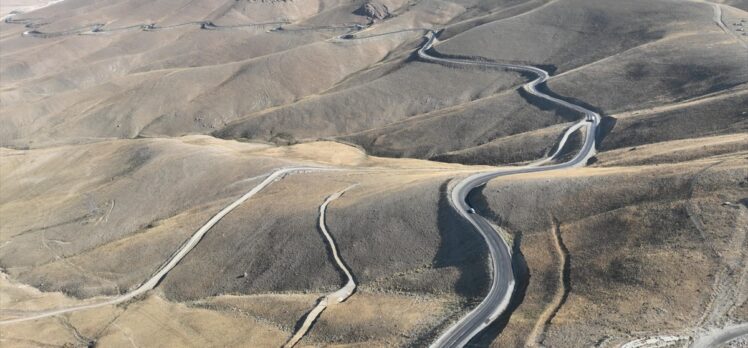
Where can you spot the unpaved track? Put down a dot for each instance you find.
(717, 19)
(502, 285)
(333, 298)
(503, 280)
(717, 337)
(698, 337)
(656, 341)
(101, 29)
(537, 335)
(177, 256)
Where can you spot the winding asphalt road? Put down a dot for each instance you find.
(502, 282)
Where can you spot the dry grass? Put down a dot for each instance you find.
(123, 169)
(645, 246)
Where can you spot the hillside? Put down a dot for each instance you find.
(163, 166)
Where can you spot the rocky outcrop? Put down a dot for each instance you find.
(373, 10)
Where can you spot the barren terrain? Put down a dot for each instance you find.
(126, 126)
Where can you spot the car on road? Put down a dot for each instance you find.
(471, 211)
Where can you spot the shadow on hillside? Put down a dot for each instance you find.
(519, 268)
(461, 247)
(464, 248)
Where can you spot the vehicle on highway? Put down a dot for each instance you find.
(503, 282)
